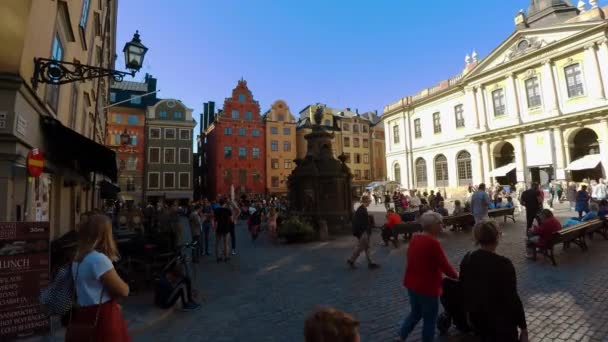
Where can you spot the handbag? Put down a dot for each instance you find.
(80, 331)
(58, 297)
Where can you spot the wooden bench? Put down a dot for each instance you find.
(573, 234)
(601, 229)
(504, 212)
(459, 222)
(407, 228)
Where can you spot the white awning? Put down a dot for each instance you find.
(589, 161)
(503, 170)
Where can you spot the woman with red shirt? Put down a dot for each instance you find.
(392, 219)
(426, 263)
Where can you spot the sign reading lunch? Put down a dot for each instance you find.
(24, 271)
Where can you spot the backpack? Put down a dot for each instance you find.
(58, 297)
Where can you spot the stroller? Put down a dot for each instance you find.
(452, 301)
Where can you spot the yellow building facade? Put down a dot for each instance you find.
(281, 146)
(71, 31)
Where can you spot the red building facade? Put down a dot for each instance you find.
(236, 147)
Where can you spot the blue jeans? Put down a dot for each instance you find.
(425, 307)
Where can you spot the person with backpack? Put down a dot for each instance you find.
(222, 217)
(362, 229)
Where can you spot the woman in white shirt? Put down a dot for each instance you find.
(97, 284)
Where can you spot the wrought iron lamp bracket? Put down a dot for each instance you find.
(60, 72)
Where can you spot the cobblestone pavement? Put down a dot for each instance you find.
(265, 293)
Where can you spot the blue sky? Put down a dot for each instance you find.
(359, 54)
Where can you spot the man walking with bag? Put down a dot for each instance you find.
(362, 229)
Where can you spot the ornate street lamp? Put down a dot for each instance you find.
(125, 138)
(59, 72)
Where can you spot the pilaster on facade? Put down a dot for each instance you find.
(596, 85)
(485, 157)
(471, 105)
(520, 159)
(560, 157)
(514, 99)
(484, 108)
(603, 142)
(550, 93)
(602, 56)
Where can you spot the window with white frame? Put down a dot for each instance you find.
(441, 170)
(574, 80)
(169, 155)
(459, 116)
(154, 133)
(169, 180)
(421, 177)
(170, 133)
(154, 155)
(533, 92)
(417, 128)
(465, 171)
(184, 180)
(184, 156)
(498, 99)
(153, 180)
(184, 134)
(396, 134)
(437, 122)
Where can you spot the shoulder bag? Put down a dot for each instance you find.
(82, 331)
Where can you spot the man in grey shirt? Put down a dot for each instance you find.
(480, 202)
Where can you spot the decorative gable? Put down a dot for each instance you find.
(527, 41)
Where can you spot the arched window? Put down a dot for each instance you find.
(421, 179)
(397, 171)
(465, 173)
(441, 170)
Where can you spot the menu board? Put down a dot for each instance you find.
(24, 271)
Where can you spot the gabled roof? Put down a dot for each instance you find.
(130, 86)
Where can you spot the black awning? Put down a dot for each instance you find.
(72, 150)
(108, 190)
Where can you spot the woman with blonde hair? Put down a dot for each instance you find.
(97, 285)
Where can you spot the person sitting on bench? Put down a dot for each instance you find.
(591, 215)
(392, 219)
(541, 233)
(458, 209)
(173, 285)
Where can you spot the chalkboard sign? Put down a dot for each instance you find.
(24, 271)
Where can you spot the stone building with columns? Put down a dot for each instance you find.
(534, 109)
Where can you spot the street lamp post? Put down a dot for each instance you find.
(60, 72)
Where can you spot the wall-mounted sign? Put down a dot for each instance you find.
(24, 271)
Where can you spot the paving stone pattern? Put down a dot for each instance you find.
(266, 292)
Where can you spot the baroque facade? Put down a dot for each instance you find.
(66, 123)
(127, 113)
(535, 109)
(168, 168)
(235, 148)
(280, 131)
(359, 137)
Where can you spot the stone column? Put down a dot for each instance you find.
(388, 136)
(603, 141)
(560, 157)
(483, 112)
(478, 177)
(471, 106)
(549, 88)
(405, 174)
(594, 80)
(485, 157)
(513, 99)
(520, 159)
